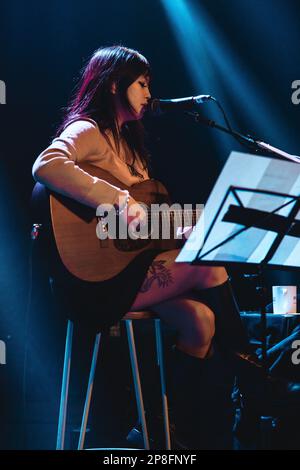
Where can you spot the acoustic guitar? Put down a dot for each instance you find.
(75, 230)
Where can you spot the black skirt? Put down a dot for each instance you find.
(98, 305)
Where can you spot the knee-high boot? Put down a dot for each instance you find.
(201, 399)
(231, 335)
(230, 331)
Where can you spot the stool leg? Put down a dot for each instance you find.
(266, 431)
(160, 363)
(137, 382)
(89, 393)
(60, 442)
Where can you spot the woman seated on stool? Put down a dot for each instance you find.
(102, 126)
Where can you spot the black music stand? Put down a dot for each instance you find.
(255, 227)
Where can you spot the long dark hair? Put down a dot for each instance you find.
(93, 97)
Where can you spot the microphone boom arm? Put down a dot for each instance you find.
(247, 139)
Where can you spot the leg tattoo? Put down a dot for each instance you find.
(157, 272)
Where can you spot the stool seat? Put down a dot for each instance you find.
(140, 315)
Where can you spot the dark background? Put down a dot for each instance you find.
(250, 53)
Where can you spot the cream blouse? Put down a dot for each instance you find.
(81, 141)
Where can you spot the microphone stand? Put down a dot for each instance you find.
(253, 143)
(256, 146)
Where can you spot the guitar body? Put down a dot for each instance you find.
(74, 226)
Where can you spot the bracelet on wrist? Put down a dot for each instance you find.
(122, 210)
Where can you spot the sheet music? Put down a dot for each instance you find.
(252, 245)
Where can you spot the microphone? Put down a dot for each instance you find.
(158, 106)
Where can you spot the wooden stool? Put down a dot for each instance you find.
(128, 318)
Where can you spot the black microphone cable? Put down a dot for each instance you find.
(247, 144)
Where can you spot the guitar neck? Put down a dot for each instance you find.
(179, 218)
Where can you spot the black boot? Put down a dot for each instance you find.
(201, 399)
(230, 331)
(231, 334)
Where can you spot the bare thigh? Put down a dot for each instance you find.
(167, 279)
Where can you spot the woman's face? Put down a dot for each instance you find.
(138, 95)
